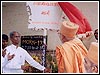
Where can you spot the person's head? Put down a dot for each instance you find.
(15, 37)
(68, 30)
(4, 40)
(96, 34)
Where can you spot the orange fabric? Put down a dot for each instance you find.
(70, 56)
(69, 29)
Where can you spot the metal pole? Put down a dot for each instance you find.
(44, 49)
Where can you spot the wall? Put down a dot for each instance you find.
(14, 17)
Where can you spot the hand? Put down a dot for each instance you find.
(10, 56)
(3, 52)
(47, 70)
(89, 33)
(24, 67)
(81, 36)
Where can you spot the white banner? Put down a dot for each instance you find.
(44, 15)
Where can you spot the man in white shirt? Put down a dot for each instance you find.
(16, 65)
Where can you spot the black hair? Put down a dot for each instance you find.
(96, 33)
(4, 37)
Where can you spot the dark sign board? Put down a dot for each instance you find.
(33, 42)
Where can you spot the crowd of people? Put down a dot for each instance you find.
(72, 56)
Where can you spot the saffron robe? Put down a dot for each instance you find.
(70, 56)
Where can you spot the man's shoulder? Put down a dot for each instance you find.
(8, 46)
(22, 49)
(72, 43)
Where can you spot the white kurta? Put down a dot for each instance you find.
(14, 65)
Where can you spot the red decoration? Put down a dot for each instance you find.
(75, 16)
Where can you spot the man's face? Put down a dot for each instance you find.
(4, 43)
(15, 38)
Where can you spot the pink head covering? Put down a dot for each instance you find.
(69, 29)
